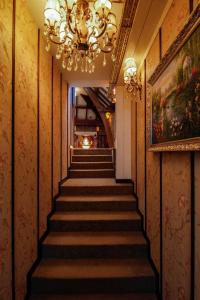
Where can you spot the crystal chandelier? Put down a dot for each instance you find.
(131, 79)
(81, 31)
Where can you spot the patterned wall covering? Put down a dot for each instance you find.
(56, 127)
(25, 145)
(64, 127)
(153, 57)
(141, 149)
(196, 2)
(176, 226)
(175, 194)
(133, 145)
(197, 225)
(5, 148)
(174, 21)
(45, 142)
(153, 204)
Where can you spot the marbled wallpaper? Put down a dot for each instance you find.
(45, 139)
(5, 148)
(25, 146)
(153, 204)
(64, 128)
(56, 128)
(174, 22)
(176, 226)
(197, 226)
(141, 148)
(153, 57)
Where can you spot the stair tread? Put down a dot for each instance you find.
(93, 170)
(93, 155)
(93, 268)
(95, 216)
(93, 182)
(129, 296)
(91, 162)
(96, 198)
(95, 238)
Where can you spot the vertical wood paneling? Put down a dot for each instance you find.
(197, 226)
(176, 226)
(25, 146)
(141, 148)
(45, 107)
(64, 128)
(56, 128)
(5, 148)
(174, 22)
(133, 143)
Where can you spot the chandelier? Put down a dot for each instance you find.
(81, 30)
(131, 79)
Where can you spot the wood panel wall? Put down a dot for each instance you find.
(28, 168)
(171, 186)
(5, 149)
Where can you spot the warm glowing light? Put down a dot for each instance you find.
(131, 79)
(80, 32)
(107, 115)
(86, 143)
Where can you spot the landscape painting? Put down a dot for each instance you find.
(176, 96)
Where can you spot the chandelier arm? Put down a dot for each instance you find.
(69, 25)
(103, 31)
(107, 51)
(53, 41)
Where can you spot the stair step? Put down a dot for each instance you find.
(94, 245)
(91, 203)
(91, 158)
(93, 275)
(95, 221)
(95, 186)
(91, 165)
(129, 296)
(103, 173)
(101, 151)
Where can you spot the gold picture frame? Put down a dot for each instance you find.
(183, 144)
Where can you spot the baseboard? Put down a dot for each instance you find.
(38, 259)
(159, 296)
(64, 179)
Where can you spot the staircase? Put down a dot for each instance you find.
(93, 163)
(95, 248)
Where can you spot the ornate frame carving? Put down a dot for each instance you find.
(192, 144)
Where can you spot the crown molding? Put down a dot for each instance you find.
(129, 13)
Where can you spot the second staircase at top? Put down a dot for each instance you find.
(92, 163)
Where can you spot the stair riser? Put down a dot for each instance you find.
(97, 190)
(117, 251)
(96, 206)
(91, 158)
(91, 174)
(91, 166)
(117, 285)
(118, 225)
(92, 152)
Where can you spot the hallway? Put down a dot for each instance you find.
(100, 149)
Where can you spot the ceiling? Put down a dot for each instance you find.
(146, 19)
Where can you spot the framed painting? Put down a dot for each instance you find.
(173, 94)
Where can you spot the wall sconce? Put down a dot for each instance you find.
(108, 115)
(131, 79)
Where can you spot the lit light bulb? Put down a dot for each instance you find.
(48, 47)
(104, 60)
(52, 11)
(64, 64)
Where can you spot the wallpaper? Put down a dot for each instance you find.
(141, 150)
(56, 128)
(195, 2)
(197, 225)
(133, 145)
(45, 143)
(25, 146)
(153, 204)
(174, 22)
(176, 226)
(153, 57)
(5, 147)
(64, 128)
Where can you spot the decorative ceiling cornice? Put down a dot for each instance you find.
(129, 12)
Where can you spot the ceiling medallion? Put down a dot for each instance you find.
(81, 31)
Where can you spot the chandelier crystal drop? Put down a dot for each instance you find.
(81, 30)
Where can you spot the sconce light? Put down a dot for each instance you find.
(131, 79)
(107, 115)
